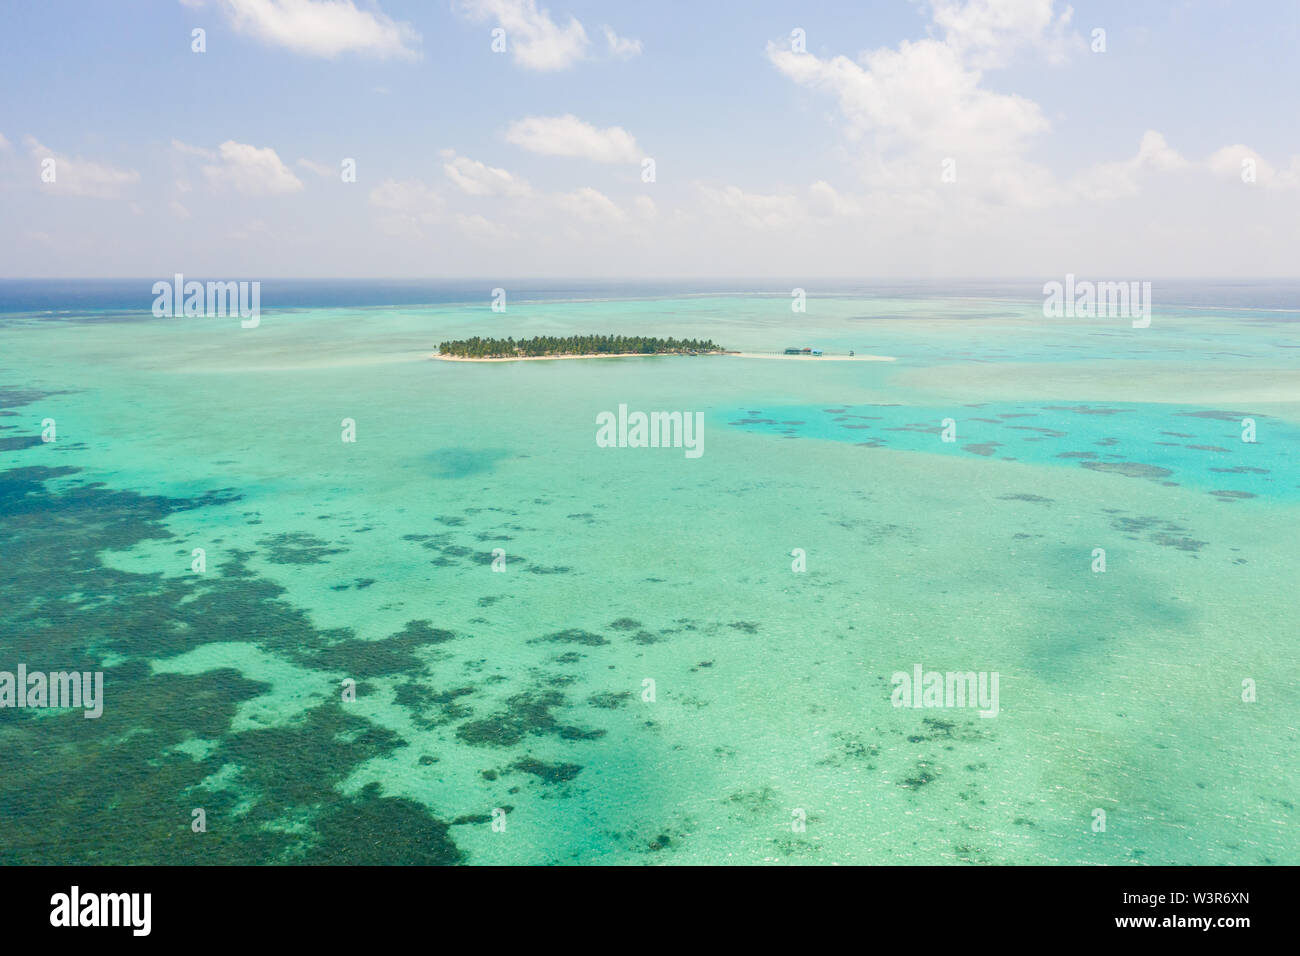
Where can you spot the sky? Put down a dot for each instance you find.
(679, 138)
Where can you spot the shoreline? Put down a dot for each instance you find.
(606, 355)
(552, 358)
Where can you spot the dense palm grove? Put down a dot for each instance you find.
(575, 345)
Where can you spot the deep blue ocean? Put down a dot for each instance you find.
(134, 295)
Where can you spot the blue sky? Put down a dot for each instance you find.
(905, 139)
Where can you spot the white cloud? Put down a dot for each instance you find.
(1155, 153)
(590, 205)
(569, 136)
(4, 144)
(1229, 161)
(1234, 162)
(178, 210)
(410, 205)
(621, 47)
(733, 207)
(924, 103)
(250, 170)
(919, 101)
(320, 169)
(824, 201)
(411, 197)
(75, 176)
(1117, 180)
(535, 41)
(479, 179)
(186, 149)
(987, 33)
(751, 210)
(480, 229)
(322, 27)
(256, 229)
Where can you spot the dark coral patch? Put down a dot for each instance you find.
(1129, 469)
(374, 830)
(548, 772)
(610, 700)
(297, 547)
(19, 442)
(527, 714)
(571, 636)
(120, 782)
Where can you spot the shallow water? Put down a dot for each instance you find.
(771, 736)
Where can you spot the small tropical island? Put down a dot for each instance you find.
(571, 346)
(548, 347)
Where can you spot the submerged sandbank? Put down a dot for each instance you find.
(817, 358)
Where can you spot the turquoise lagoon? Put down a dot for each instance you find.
(524, 693)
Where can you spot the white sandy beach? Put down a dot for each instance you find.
(554, 358)
(752, 355)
